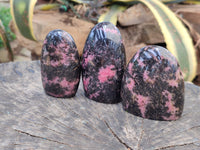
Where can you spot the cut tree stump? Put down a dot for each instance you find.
(29, 119)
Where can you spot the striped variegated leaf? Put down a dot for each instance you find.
(111, 15)
(192, 1)
(132, 1)
(22, 14)
(82, 1)
(171, 1)
(46, 7)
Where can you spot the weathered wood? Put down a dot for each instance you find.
(29, 119)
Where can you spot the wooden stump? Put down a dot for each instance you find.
(29, 119)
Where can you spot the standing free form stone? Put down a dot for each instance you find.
(60, 64)
(103, 63)
(152, 85)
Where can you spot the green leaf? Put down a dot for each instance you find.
(6, 42)
(192, 2)
(124, 2)
(46, 7)
(132, 1)
(22, 14)
(171, 1)
(82, 1)
(6, 17)
(111, 15)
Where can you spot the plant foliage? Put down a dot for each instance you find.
(6, 17)
(22, 14)
(5, 40)
(176, 36)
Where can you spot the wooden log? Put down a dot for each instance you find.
(32, 120)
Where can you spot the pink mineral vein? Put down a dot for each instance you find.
(114, 31)
(170, 104)
(172, 117)
(179, 74)
(106, 73)
(130, 70)
(167, 94)
(53, 94)
(94, 95)
(136, 55)
(54, 63)
(64, 59)
(45, 53)
(88, 59)
(142, 103)
(63, 83)
(69, 92)
(69, 85)
(63, 45)
(127, 105)
(131, 84)
(140, 63)
(86, 83)
(173, 83)
(147, 78)
(45, 42)
(167, 69)
(54, 81)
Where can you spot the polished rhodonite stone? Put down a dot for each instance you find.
(103, 63)
(60, 64)
(152, 85)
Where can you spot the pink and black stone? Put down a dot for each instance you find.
(60, 65)
(153, 85)
(103, 64)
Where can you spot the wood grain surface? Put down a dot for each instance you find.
(29, 119)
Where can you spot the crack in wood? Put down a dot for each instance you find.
(141, 135)
(43, 138)
(194, 127)
(49, 128)
(177, 145)
(50, 140)
(81, 134)
(73, 129)
(115, 135)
